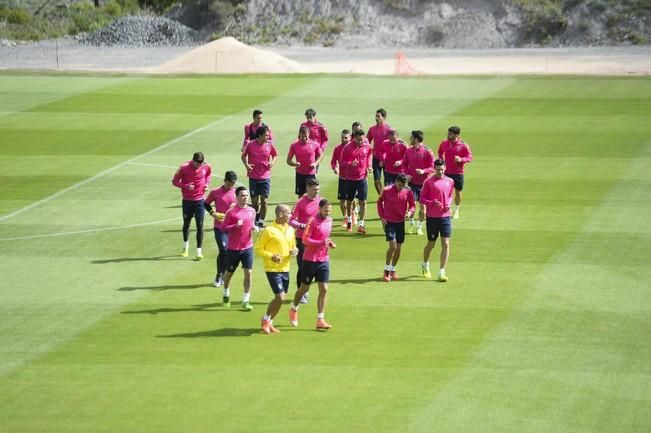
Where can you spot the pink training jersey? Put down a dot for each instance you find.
(258, 155)
(304, 210)
(448, 150)
(356, 160)
(318, 133)
(315, 239)
(376, 135)
(187, 175)
(393, 156)
(334, 161)
(420, 157)
(224, 199)
(239, 236)
(306, 153)
(440, 189)
(394, 205)
(249, 132)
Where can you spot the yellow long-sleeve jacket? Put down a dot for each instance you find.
(276, 239)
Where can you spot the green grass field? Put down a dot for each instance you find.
(543, 327)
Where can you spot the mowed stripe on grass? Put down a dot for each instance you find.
(397, 351)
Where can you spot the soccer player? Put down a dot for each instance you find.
(239, 223)
(419, 164)
(250, 129)
(356, 162)
(392, 157)
(258, 157)
(316, 263)
(223, 198)
(306, 208)
(376, 136)
(436, 195)
(308, 154)
(276, 245)
(395, 202)
(334, 163)
(193, 178)
(456, 154)
(318, 131)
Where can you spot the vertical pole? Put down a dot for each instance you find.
(57, 49)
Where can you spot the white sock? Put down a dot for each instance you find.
(387, 267)
(360, 223)
(320, 316)
(420, 224)
(198, 251)
(442, 271)
(246, 297)
(392, 268)
(349, 219)
(426, 264)
(186, 245)
(411, 221)
(266, 317)
(227, 292)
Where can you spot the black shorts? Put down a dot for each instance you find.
(377, 170)
(356, 189)
(390, 178)
(416, 190)
(319, 271)
(279, 281)
(234, 257)
(301, 183)
(259, 187)
(436, 226)
(458, 181)
(395, 232)
(341, 189)
(194, 209)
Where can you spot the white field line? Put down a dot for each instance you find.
(78, 232)
(111, 170)
(144, 164)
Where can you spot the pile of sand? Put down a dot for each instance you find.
(229, 56)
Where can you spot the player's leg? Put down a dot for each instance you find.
(322, 278)
(232, 262)
(187, 219)
(264, 198)
(377, 176)
(247, 267)
(199, 212)
(220, 238)
(432, 235)
(446, 234)
(362, 195)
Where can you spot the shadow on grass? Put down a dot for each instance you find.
(137, 259)
(223, 332)
(168, 287)
(354, 235)
(212, 307)
(377, 279)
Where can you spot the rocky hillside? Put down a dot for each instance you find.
(430, 23)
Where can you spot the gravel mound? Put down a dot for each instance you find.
(141, 31)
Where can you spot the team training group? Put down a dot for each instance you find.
(404, 175)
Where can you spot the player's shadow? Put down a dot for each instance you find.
(137, 259)
(176, 206)
(223, 332)
(354, 235)
(199, 308)
(377, 279)
(205, 230)
(167, 287)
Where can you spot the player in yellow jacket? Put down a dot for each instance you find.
(276, 245)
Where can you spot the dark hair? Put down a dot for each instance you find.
(382, 112)
(324, 202)
(418, 135)
(198, 157)
(345, 131)
(310, 112)
(358, 133)
(304, 128)
(454, 130)
(402, 178)
(261, 131)
(439, 162)
(256, 112)
(393, 132)
(356, 124)
(313, 181)
(239, 189)
(230, 176)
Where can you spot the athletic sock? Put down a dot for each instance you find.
(420, 224)
(360, 223)
(442, 271)
(387, 267)
(266, 317)
(227, 292)
(198, 251)
(186, 245)
(320, 316)
(294, 307)
(392, 268)
(246, 298)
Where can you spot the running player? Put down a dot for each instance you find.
(376, 136)
(258, 157)
(308, 154)
(250, 129)
(456, 154)
(334, 163)
(223, 198)
(419, 164)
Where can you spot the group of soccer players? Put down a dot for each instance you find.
(403, 175)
